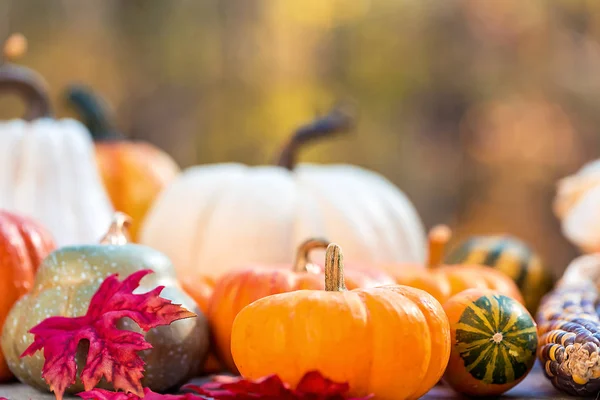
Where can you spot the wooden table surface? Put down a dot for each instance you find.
(535, 386)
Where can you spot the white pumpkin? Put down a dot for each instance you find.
(47, 167)
(215, 218)
(577, 204)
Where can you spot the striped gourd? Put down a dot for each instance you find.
(511, 256)
(494, 342)
(569, 329)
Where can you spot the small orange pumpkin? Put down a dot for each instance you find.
(134, 172)
(392, 341)
(444, 281)
(24, 243)
(238, 288)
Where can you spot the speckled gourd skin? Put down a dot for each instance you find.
(65, 283)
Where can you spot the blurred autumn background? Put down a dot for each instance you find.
(474, 108)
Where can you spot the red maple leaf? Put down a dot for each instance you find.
(112, 352)
(101, 394)
(312, 386)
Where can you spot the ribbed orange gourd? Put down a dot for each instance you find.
(444, 281)
(392, 341)
(239, 288)
(24, 243)
(134, 172)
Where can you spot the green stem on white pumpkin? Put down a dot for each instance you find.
(338, 120)
(24, 81)
(303, 262)
(334, 269)
(94, 112)
(438, 238)
(117, 233)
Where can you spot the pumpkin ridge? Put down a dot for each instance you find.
(201, 228)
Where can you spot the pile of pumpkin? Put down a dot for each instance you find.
(240, 246)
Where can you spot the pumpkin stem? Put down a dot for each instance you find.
(94, 111)
(117, 231)
(439, 236)
(303, 262)
(24, 81)
(334, 269)
(338, 120)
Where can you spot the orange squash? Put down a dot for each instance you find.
(134, 172)
(239, 288)
(392, 341)
(24, 243)
(201, 291)
(494, 342)
(444, 281)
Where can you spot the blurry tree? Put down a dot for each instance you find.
(474, 108)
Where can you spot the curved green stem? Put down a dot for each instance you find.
(30, 86)
(94, 111)
(337, 121)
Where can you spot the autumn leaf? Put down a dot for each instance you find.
(312, 386)
(112, 352)
(101, 394)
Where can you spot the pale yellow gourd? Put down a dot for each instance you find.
(577, 206)
(215, 218)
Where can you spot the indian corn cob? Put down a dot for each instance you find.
(569, 330)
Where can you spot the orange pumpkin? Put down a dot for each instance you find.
(24, 243)
(444, 281)
(134, 172)
(237, 289)
(201, 291)
(393, 341)
(494, 342)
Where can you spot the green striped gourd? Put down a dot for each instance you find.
(494, 342)
(511, 256)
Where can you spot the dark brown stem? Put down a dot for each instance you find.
(302, 255)
(337, 121)
(439, 236)
(30, 86)
(334, 269)
(117, 231)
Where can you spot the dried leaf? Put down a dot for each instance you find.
(112, 352)
(313, 386)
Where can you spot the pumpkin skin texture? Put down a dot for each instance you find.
(23, 244)
(392, 341)
(64, 285)
(47, 169)
(237, 289)
(510, 256)
(494, 342)
(211, 209)
(133, 172)
(444, 281)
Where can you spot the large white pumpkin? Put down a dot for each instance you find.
(47, 166)
(219, 217)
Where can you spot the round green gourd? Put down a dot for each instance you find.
(494, 341)
(511, 256)
(65, 284)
